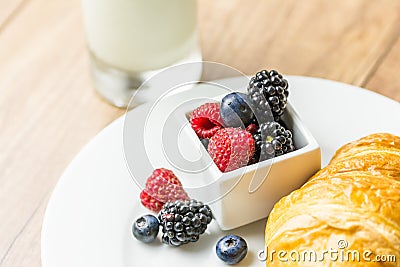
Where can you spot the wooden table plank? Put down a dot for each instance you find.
(25, 249)
(48, 109)
(338, 40)
(9, 9)
(386, 79)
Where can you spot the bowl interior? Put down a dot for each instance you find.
(291, 119)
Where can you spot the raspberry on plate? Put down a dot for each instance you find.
(206, 120)
(162, 186)
(231, 148)
(150, 202)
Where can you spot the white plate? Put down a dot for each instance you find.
(88, 218)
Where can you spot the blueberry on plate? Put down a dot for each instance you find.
(146, 228)
(235, 110)
(231, 249)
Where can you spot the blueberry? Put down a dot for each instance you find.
(235, 110)
(231, 249)
(146, 228)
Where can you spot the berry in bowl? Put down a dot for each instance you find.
(248, 148)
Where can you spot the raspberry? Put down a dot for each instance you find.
(231, 148)
(162, 186)
(252, 128)
(206, 120)
(150, 202)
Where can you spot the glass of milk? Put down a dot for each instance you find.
(130, 40)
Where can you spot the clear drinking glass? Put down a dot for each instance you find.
(130, 40)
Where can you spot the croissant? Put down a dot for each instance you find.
(347, 214)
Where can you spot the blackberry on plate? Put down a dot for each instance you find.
(183, 221)
(268, 91)
(272, 140)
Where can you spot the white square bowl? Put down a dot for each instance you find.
(241, 196)
(264, 183)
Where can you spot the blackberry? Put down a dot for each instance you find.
(272, 140)
(183, 221)
(268, 92)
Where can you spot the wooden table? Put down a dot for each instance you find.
(48, 109)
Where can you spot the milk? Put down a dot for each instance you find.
(135, 36)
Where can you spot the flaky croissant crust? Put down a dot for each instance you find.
(355, 198)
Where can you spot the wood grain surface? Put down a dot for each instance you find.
(49, 110)
(8, 10)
